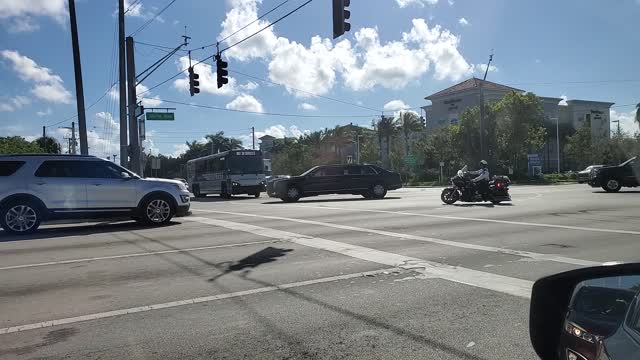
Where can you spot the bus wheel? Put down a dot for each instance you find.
(196, 192)
(224, 193)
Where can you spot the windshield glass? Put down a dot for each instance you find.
(238, 164)
(628, 161)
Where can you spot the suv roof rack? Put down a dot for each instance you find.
(54, 155)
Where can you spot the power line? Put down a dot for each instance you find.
(131, 6)
(573, 82)
(143, 26)
(156, 46)
(176, 75)
(87, 108)
(266, 27)
(304, 91)
(263, 113)
(242, 28)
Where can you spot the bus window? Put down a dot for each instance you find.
(245, 164)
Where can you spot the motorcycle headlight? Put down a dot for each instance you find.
(579, 332)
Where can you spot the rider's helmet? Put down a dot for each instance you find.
(484, 163)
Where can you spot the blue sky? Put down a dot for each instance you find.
(397, 52)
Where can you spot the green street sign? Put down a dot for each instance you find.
(161, 116)
(411, 160)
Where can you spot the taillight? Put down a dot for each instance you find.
(499, 184)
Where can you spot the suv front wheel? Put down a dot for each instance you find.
(20, 217)
(156, 210)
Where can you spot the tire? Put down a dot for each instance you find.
(156, 210)
(196, 192)
(293, 194)
(224, 193)
(449, 196)
(20, 217)
(378, 191)
(256, 195)
(366, 195)
(612, 185)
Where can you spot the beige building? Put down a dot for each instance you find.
(448, 105)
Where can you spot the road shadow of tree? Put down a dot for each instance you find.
(332, 200)
(296, 343)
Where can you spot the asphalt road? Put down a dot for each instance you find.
(329, 277)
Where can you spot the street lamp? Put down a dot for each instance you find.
(557, 141)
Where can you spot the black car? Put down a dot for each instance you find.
(583, 176)
(612, 178)
(370, 181)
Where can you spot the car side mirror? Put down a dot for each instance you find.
(581, 313)
(126, 176)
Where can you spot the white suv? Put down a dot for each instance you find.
(35, 188)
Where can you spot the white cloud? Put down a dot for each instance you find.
(307, 106)
(13, 103)
(56, 9)
(46, 112)
(208, 79)
(462, 21)
(627, 121)
(316, 68)
(147, 99)
(179, 149)
(21, 24)
(564, 100)
(421, 3)
(480, 68)
(243, 12)
(249, 86)
(48, 86)
(107, 120)
(538, 61)
(451, 2)
(245, 102)
(277, 131)
(135, 11)
(395, 105)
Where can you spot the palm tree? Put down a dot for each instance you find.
(219, 142)
(408, 122)
(386, 129)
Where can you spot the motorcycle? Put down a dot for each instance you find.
(464, 190)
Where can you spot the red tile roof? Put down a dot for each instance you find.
(470, 84)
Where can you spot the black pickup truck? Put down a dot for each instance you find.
(612, 178)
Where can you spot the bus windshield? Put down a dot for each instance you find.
(245, 164)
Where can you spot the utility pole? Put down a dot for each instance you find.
(74, 143)
(124, 156)
(253, 137)
(44, 138)
(482, 109)
(134, 139)
(82, 120)
(558, 141)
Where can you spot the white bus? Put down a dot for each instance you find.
(227, 173)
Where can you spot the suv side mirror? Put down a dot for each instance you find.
(581, 313)
(125, 176)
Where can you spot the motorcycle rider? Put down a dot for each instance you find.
(481, 182)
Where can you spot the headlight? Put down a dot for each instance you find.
(181, 186)
(235, 184)
(579, 332)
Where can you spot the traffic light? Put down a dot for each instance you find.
(221, 71)
(340, 15)
(193, 82)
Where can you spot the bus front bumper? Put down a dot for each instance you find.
(246, 189)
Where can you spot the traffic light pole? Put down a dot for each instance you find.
(124, 154)
(134, 139)
(77, 67)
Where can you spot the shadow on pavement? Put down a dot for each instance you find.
(618, 193)
(271, 254)
(221, 199)
(487, 205)
(78, 229)
(332, 200)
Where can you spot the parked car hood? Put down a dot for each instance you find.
(164, 181)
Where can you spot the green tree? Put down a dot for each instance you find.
(579, 148)
(49, 145)
(386, 128)
(408, 123)
(18, 145)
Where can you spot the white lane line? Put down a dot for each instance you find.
(495, 221)
(133, 310)
(499, 283)
(72, 261)
(527, 254)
